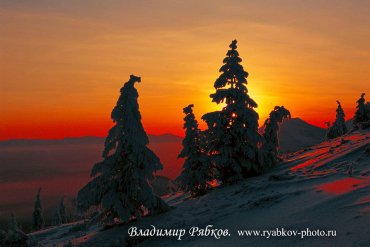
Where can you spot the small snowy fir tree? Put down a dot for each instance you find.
(328, 126)
(60, 216)
(271, 130)
(339, 126)
(3, 236)
(120, 182)
(197, 169)
(361, 114)
(233, 138)
(38, 216)
(15, 236)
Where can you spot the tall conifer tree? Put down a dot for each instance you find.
(38, 215)
(361, 114)
(339, 127)
(197, 169)
(232, 134)
(271, 131)
(120, 182)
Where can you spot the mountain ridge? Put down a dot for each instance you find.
(295, 133)
(81, 139)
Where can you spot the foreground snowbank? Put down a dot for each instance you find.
(322, 188)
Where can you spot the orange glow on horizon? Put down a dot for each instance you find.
(62, 64)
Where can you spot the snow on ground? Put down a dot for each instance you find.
(324, 187)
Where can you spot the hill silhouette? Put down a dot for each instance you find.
(295, 133)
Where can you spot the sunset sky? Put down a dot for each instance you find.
(62, 63)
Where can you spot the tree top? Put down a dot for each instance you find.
(134, 78)
(188, 109)
(233, 44)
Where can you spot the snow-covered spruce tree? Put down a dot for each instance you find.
(120, 185)
(328, 126)
(3, 236)
(339, 126)
(271, 130)
(60, 216)
(62, 211)
(38, 216)
(361, 114)
(15, 236)
(232, 134)
(197, 169)
(56, 220)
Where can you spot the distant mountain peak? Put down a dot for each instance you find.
(296, 133)
(166, 137)
(300, 121)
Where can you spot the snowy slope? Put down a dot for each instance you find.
(62, 167)
(312, 189)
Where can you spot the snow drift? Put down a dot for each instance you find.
(325, 187)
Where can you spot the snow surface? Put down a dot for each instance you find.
(326, 187)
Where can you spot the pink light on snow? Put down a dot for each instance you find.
(345, 185)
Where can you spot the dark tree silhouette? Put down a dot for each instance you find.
(38, 216)
(60, 214)
(361, 114)
(14, 237)
(271, 130)
(120, 182)
(339, 126)
(232, 134)
(197, 169)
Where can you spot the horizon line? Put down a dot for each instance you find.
(100, 136)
